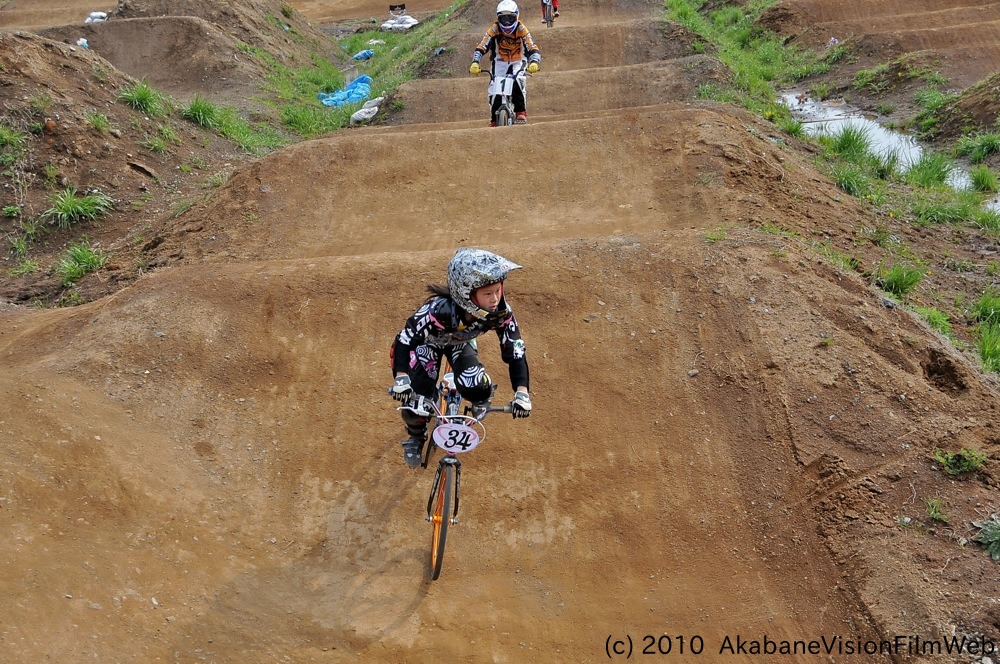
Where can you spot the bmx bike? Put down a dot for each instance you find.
(503, 86)
(454, 433)
(548, 13)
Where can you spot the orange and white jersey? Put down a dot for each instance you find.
(512, 47)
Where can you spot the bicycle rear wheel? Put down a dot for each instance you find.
(441, 517)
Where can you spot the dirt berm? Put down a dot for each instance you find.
(729, 434)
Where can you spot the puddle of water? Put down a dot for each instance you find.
(832, 117)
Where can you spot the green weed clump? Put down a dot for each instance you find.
(989, 346)
(202, 112)
(930, 171)
(984, 180)
(68, 207)
(144, 98)
(977, 147)
(988, 220)
(80, 258)
(989, 535)
(934, 510)
(899, 278)
(98, 121)
(936, 318)
(963, 461)
(12, 145)
(987, 307)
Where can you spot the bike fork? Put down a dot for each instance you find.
(438, 478)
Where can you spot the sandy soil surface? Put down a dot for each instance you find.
(732, 439)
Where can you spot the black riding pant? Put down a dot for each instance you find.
(471, 379)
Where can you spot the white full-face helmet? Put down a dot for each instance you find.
(507, 12)
(474, 268)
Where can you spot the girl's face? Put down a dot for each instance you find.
(488, 297)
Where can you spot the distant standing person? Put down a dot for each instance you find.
(510, 45)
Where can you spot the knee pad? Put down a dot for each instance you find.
(475, 384)
(473, 378)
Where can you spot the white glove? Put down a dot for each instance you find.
(521, 405)
(401, 390)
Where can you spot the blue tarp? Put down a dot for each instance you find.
(356, 91)
(363, 55)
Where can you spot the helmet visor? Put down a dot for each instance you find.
(507, 20)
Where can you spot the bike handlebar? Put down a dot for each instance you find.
(509, 408)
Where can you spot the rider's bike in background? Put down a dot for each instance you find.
(548, 13)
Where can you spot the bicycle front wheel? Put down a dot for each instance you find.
(504, 118)
(441, 517)
(549, 18)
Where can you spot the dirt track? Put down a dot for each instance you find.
(204, 466)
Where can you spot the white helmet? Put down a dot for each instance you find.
(474, 268)
(507, 12)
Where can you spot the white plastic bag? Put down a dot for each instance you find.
(364, 114)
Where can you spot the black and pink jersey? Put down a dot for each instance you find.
(439, 325)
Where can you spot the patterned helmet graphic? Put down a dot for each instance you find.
(471, 269)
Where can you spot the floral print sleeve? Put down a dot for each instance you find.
(512, 351)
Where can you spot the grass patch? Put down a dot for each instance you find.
(989, 346)
(988, 220)
(144, 98)
(930, 171)
(934, 510)
(19, 246)
(717, 235)
(25, 267)
(156, 144)
(930, 101)
(987, 307)
(873, 81)
(252, 137)
(984, 180)
(898, 279)
(852, 143)
(978, 147)
(203, 113)
(68, 207)
(945, 206)
(98, 121)
(79, 259)
(936, 318)
(838, 258)
(310, 121)
(12, 144)
(852, 179)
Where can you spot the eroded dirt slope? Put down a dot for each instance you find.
(957, 36)
(391, 190)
